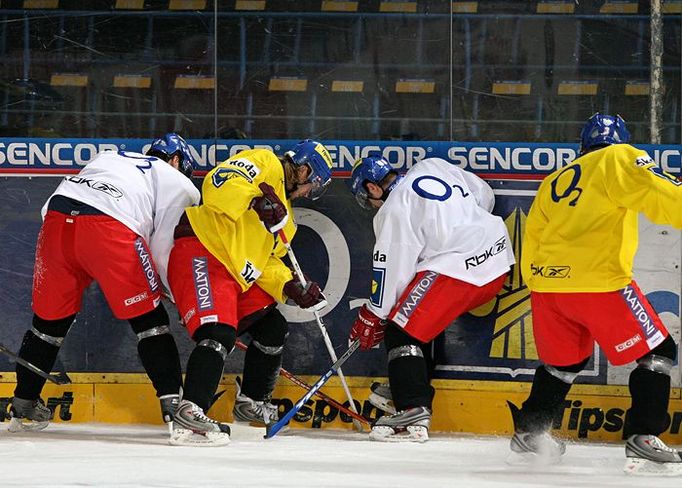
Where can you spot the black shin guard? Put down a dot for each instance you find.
(40, 347)
(205, 364)
(157, 350)
(650, 390)
(408, 372)
(260, 372)
(428, 350)
(264, 355)
(650, 393)
(161, 361)
(546, 399)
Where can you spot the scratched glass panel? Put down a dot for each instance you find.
(105, 71)
(524, 75)
(508, 70)
(671, 130)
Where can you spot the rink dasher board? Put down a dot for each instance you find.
(592, 412)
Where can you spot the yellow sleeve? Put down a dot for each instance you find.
(231, 186)
(637, 183)
(273, 278)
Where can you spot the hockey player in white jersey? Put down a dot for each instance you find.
(439, 253)
(111, 223)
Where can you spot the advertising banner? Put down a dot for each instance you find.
(492, 346)
(500, 160)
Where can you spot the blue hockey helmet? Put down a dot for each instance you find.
(171, 144)
(314, 155)
(372, 169)
(603, 130)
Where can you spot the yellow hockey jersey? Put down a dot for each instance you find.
(581, 233)
(232, 232)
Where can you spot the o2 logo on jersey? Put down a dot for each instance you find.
(433, 188)
(142, 167)
(568, 189)
(378, 277)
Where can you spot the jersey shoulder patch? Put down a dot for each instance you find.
(649, 164)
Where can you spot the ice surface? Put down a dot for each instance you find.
(108, 455)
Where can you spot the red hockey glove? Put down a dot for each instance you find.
(368, 328)
(305, 297)
(270, 209)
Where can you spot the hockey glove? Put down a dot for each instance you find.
(305, 297)
(368, 329)
(270, 209)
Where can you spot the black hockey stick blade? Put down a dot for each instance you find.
(272, 429)
(60, 378)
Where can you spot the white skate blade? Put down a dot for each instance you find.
(185, 437)
(531, 459)
(413, 433)
(382, 403)
(645, 467)
(25, 425)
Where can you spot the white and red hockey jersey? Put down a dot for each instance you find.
(438, 219)
(144, 193)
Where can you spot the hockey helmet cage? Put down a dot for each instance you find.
(317, 158)
(170, 145)
(603, 130)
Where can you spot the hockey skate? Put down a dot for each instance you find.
(411, 425)
(28, 415)
(382, 398)
(647, 455)
(533, 447)
(252, 412)
(169, 404)
(191, 427)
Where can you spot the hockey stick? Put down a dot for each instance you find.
(60, 378)
(320, 325)
(299, 382)
(272, 429)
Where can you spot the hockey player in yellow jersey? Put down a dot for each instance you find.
(577, 257)
(226, 274)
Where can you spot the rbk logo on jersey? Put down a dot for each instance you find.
(378, 277)
(550, 271)
(107, 188)
(499, 246)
